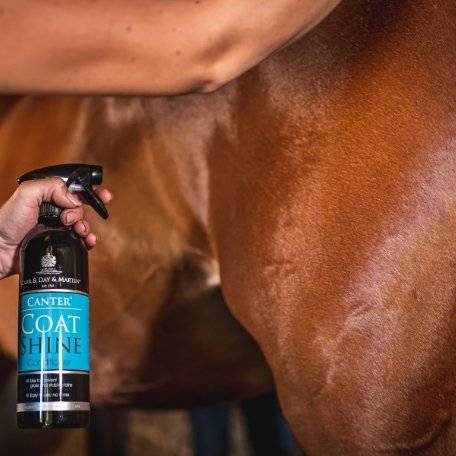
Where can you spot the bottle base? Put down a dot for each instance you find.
(53, 420)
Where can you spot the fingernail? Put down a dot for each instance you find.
(70, 218)
(73, 199)
(110, 196)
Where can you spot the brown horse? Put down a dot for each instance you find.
(323, 184)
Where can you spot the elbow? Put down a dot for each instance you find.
(210, 86)
(213, 82)
(212, 79)
(218, 72)
(221, 60)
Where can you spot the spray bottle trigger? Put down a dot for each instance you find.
(80, 181)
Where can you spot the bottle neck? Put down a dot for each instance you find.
(54, 222)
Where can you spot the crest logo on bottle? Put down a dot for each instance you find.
(48, 260)
(49, 263)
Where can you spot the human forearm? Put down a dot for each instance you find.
(142, 47)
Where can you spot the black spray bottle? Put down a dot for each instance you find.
(53, 325)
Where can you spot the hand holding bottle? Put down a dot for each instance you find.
(20, 213)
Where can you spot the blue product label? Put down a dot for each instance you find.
(53, 331)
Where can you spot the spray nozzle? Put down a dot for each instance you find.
(78, 177)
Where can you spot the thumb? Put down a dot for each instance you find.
(33, 193)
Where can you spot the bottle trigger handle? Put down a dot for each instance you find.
(79, 181)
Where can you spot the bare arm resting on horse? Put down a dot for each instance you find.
(154, 47)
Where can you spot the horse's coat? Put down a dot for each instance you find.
(324, 183)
